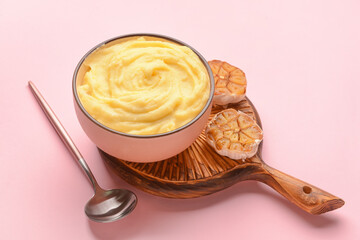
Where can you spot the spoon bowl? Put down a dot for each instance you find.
(110, 205)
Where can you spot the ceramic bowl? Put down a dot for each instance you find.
(140, 148)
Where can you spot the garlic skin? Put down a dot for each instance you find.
(228, 98)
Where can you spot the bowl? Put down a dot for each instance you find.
(140, 148)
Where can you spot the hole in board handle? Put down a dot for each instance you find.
(307, 189)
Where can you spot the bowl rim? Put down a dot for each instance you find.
(203, 60)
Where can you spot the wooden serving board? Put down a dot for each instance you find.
(200, 171)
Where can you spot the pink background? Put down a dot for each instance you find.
(302, 60)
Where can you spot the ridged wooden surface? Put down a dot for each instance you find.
(189, 174)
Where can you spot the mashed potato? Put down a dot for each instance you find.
(144, 86)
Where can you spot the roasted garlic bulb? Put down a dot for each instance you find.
(230, 83)
(234, 134)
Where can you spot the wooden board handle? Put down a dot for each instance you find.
(306, 196)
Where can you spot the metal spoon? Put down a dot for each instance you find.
(105, 205)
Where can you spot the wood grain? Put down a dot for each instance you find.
(200, 171)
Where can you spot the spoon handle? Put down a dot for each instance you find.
(65, 137)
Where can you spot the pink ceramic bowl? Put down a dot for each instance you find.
(140, 148)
